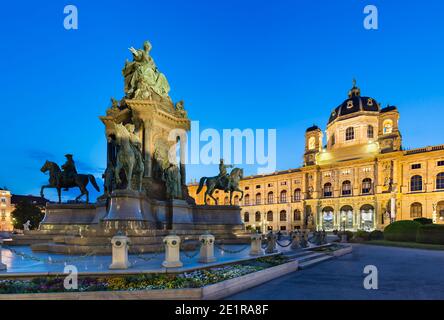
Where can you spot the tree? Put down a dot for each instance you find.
(25, 211)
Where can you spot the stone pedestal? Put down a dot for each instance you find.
(120, 252)
(271, 243)
(172, 252)
(256, 245)
(295, 241)
(2, 265)
(207, 248)
(125, 211)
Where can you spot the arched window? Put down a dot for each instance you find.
(440, 180)
(257, 216)
(328, 192)
(270, 197)
(349, 133)
(258, 198)
(297, 195)
(297, 215)
(247, 200)
(370, 133)
(416, 183)
(236, 200)
(366, 185)
(283, 216)
(387, 126)
(311, 143)
(346, 188)
(416, 210)
(226, 201)
(283, 197)
(246, 217)
(270, 216)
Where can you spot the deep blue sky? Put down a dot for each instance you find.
(257, 64)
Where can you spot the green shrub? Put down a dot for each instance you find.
(404, 230)
(423, 220)
(376, 235)
(362, 235)
(430, 233)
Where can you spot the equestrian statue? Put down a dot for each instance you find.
(68, 178)
(223, 181)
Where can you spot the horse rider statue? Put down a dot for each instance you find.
(223, 174)
(69, 170)
(223, 181)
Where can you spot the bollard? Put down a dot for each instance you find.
(304, 238)
(2, 265)
(271, 244)
(344, 238)
(256, 245)
(172, 252)
(206, 248)
(120, 244)
(295, 240)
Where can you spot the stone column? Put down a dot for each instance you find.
(256, 245)
(206, 248)
(172, 252)
(120, 252)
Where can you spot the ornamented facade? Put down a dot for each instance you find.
(361, 178)
(5, 210)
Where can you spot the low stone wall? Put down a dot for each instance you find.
(215, 291)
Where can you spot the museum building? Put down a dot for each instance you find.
(361, 178)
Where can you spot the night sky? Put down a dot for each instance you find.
(237, 64)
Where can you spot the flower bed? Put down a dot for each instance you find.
(194, 279)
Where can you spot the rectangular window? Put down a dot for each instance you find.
(440, 163)
(258, 186)
(270, 185)
(3, 215)
(283, 183)
(3, 200)
(416, 166)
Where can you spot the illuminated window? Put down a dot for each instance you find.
(349, 134)
(416, 183)
(270, 197)
(366, 185)
(297, 195)
(416, 210)
(440, 180)
(283, 197)
(370, 132)
(297, 215)
(311, 143)
(328, 192)
(388, 126)
(346, 188)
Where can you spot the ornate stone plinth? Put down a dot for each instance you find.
(120, 252)
(206, 248)
(172, 252)
(125, 211)
(256, 245)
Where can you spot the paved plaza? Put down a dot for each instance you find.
(403, 274)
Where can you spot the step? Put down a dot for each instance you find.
(312, 256)
(309, 263)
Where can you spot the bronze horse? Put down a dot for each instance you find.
(213, 183)
(55, 181)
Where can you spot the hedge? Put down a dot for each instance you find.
(423, 220)
(430, 233)
(376, 235)
(361, 235)
(404, 230)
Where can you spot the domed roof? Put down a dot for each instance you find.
(354, 104)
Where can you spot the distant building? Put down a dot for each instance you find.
(5, 210)
(359, 177)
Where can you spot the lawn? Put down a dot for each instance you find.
(405, 244)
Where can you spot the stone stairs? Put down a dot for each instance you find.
(307, 258)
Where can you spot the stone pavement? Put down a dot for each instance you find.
(403, 274)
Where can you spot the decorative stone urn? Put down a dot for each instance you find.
(206, 248)
(120, 252)
(256, 245)
(172, 252)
